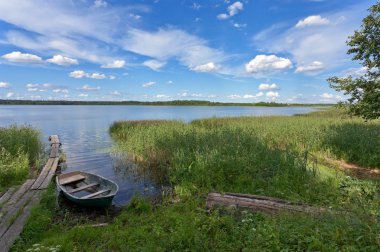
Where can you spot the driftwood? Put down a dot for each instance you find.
(257, 203)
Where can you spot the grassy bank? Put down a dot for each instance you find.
(20, 147)
(266, 156)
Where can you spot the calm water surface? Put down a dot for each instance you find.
(83, 131)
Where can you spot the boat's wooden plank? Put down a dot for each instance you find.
(92, 195)
(83, 187)
(21, 191)
(17, 226)
(13, 211)
(5, 197)
(43, 174)
(50, 175)
(71, 179)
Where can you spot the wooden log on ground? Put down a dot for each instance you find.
(257, 203)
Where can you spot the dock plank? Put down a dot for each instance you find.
(6, 196)
(21, 191)
(12, 212)
(50, 175)
(16, 228)
(43, 174)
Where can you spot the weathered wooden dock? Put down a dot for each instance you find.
(16, 203)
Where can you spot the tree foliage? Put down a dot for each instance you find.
(364, 91)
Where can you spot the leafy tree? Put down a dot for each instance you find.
(364, 91)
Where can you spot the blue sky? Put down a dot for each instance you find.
(217, 50)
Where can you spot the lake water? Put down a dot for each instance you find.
(83, 131)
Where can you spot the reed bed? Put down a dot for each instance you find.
(20, 147)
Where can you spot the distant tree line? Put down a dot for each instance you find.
(153, 103)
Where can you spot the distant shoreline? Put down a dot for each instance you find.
(158, 103)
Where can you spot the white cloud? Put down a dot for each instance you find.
(89, 88)
(154, 64)
(266, 87)
(62, 60)
(259, 94)
(148, 84)
(98, 76)
(324, 43)
(10, 94)
(232, 10)
(206, 68)
(169, 43)
(34, 87)
(135, 16)
(114, 64)
(238, 26)
(312, 21)
(100, 3)
(78, 74)
(315, 66)
(272, 94)
(115, 93)
(266, 63)
(187, 94)
(234, 96)
(83, 95)
(58, 90)
(4, 84)
(162, 96)
(248, 96)
(22, 57)
(355, 72)
(327, 96)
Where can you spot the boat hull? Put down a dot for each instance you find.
(102, 183)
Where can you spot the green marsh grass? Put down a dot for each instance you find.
(20, 148)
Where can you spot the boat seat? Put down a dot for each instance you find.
(95, 194)
(71, 179)
(83, 187)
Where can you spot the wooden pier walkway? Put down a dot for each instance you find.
(16, 203)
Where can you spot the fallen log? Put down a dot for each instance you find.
(257, 203)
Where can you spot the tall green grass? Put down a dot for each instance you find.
(20, 147)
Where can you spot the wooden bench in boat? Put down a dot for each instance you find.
(95, 194)
(71, 179)
(83, 187)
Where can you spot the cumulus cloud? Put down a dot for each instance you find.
(267, 63)
(10, 94)
(4, 84)
(22, 57)
(327, 96)
(154, 64)
(62, 60)
(266, 87)
(78, 74)
(35, 87)
(187, 94)
(272, 94)
(58, 90)
(312, 21)
(83, 95)
(89, 88)
(355, 72)
(232, 10)
(114, 64)
(314, 66)
(246, 96)
(206, 68)
(162, 96)
(148, 84)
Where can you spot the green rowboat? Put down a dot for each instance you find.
(87, 189)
